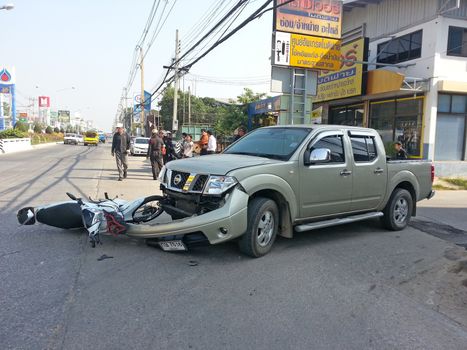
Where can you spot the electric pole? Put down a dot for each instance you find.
(189, 105)
(177, 52)
(141, 65)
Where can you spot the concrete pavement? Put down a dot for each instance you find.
(350, 287)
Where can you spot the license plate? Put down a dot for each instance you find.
(170, 246)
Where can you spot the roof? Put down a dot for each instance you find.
(321, 126)
(350, 4)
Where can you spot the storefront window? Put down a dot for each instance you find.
(347, 115)
(399, 120)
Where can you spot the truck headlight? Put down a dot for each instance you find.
(161, 176)
(217, 185)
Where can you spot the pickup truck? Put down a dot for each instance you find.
(285, 179)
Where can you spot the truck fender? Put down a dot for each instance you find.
(268, 182)
(399, 178)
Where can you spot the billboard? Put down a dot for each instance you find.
(137, 102)
(44, 101)
(309, 17)
(349, 80)
(63, 117)
(304, 51)
(7, 75)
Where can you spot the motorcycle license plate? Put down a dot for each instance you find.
(171, 246)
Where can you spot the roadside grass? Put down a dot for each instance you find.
(450, 184)
(443, 188)
(462, 183)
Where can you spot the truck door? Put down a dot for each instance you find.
(369, 173)
(326, 188)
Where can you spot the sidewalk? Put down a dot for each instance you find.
(447, 207)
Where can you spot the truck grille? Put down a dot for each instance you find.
(198, 186)
(179, 179)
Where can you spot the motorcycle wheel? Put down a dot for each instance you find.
(148, 210)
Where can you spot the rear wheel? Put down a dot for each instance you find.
(263, 224)
(398, 210)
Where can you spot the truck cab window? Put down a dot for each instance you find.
(363, 148)
(335, 144)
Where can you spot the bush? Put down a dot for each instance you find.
(56, 130)
(62, 130)
(49, 130)
(37, 128)
(12, 134)
(22, 126)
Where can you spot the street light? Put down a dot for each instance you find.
(7, 7)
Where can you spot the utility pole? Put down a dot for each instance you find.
(189, 105)
(177, 52)
(141, 65)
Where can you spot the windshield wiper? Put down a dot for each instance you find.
(261, 155)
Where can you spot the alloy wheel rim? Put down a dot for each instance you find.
(265, 228)
(401, 210)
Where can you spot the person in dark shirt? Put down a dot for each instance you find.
(156, 144)
(240, 133)
(400, 152)
(120, 147)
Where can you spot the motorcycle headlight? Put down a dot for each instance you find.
(217, 185)
(161, 176)
(90, 217)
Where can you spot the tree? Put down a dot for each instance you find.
(62, 130)
(37, 128)
(48, 129)
(22, 126)
(56, 130)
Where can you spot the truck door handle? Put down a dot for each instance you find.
(379, 171)
(345, 172)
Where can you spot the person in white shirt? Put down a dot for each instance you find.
(188, 147)
(212, 143)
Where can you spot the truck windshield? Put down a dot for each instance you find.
(275, 143)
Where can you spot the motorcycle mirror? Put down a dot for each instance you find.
(71, 196)
(106, 195)
(26, 216)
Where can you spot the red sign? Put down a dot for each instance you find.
(44, 101)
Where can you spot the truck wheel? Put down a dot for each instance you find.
(398, 210)
(263, 224)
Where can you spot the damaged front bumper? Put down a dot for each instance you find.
(220, 225)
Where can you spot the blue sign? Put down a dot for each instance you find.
(147, 103)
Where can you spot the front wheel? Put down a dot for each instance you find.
(263, 224)
(398, 210)
(148, 210)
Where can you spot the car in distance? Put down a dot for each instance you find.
(91, 138)
(139, 146)
(102, 137)
(285, 179)
(71, 139)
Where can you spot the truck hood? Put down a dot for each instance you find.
(217, 164)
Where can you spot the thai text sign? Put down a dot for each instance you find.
(63, 116)
(310, 17)
(304, 51)
(348, 81)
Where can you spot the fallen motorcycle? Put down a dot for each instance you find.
(97, 217)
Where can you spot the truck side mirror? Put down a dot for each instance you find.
(317, 156)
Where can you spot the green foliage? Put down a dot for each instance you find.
(49, 130)
(56, 130)
(22, 126)
(38, 127)
(462, 183)
(12, 134)
(62, 130)
(45, 138)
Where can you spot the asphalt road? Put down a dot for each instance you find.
(349, 287)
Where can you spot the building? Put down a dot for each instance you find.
(414, 87)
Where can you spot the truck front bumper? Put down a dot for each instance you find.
(220, 225)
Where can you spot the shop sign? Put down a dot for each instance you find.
(348, 80)
(304, 51)
(309, 17)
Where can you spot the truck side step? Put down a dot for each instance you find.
(335, 222)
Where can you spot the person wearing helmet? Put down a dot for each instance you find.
(156, 145)
(120, 147)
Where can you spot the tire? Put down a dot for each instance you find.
(398, 210)
(85, 144)
(263, 224)
(145, 213)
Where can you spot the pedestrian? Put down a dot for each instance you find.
(212, 143)
(203, 142)
(241, 131)
(188, 147)
(120, 147)
(155, 153)
(400, 152)
(170, 153)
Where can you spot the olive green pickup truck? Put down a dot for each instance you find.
(285, 179)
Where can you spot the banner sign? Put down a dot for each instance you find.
(348, 81)
(147, 102)
(304, 51)
(64, 117)
(310, 17)
(44, 101)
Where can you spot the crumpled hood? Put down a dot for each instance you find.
(217, 164)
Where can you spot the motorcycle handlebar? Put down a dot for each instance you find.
(72, 197)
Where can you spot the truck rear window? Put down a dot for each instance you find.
(363, 148)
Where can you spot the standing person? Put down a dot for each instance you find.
(203, 142)
(400, 152)
(212, 143)
(240, 133)
(155, 153)
(188, 147)
(120, 147)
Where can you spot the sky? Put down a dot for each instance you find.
(80, 52)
